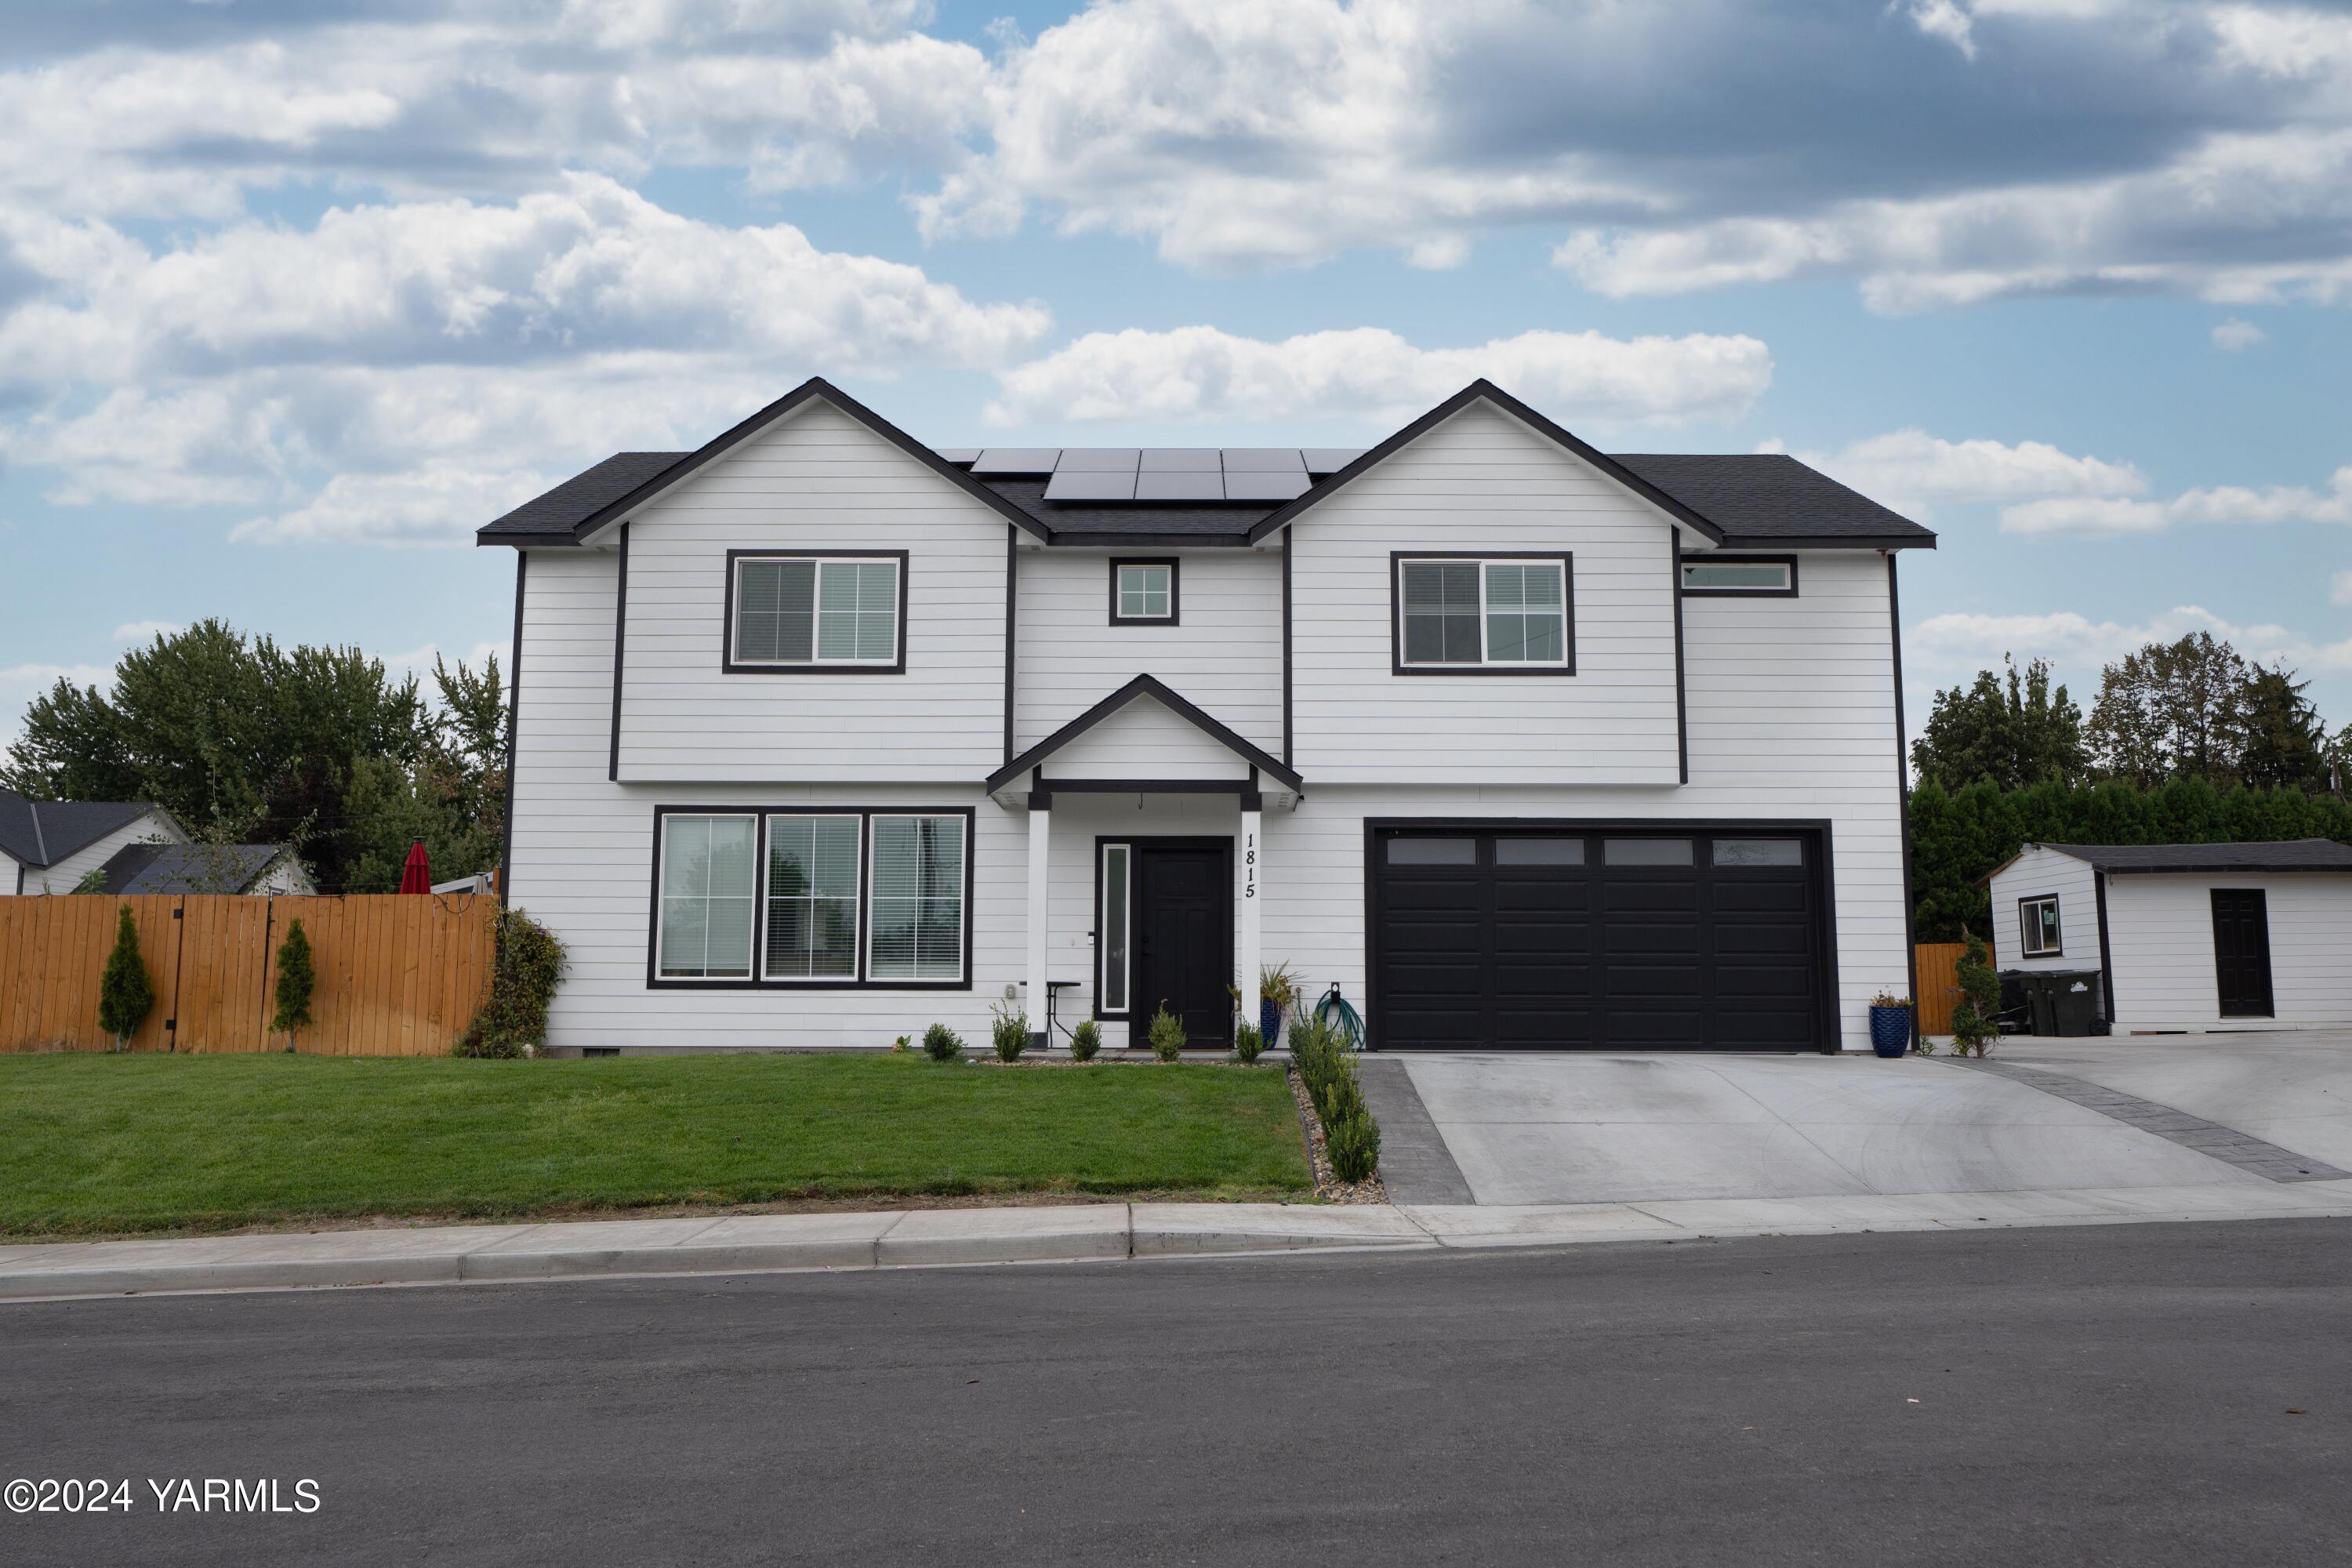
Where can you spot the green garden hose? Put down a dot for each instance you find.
(1335, 1013)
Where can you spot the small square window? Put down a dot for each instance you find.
(1143, 592)
(2037, 921)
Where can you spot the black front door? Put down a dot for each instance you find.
(1184, 918)
(2241, 952)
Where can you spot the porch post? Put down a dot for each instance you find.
(1253, 868)
(1041, 828)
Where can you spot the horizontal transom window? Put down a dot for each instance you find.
(817, 613)
(1469, 614)
(1761, 574)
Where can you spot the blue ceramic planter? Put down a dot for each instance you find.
(1890, 1030)
(1269, 1021)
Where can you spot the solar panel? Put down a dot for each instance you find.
(1164, 486)
(1264, 460)
(1096, 485)
(1330, 459)
(957, 453)
(1017, 460)
(1097, 460)
(1180, 460)
(1265, 485)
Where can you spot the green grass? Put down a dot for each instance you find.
(115, 1144)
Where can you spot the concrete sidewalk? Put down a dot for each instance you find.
(930, 1238)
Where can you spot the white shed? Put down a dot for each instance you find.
(2188, 937)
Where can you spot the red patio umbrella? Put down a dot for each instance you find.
(416, 874)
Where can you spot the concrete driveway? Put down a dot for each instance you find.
(2293, 1090)
(1579, 1129)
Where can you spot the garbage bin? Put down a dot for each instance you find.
(2016, 1010)
(2074, 1000)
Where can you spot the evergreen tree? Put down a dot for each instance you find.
(2011, 733)
(296, 978)
(125, 994)
(2171, 711)
(2282, 743)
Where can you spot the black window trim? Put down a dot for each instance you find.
(1397, 664)
(759, 814)
(1175, 573)
(2058, 920)
(1740, 558)
(728, 665)
(1104, 844)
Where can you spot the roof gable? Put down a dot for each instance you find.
(40, 833)
(1146, 687)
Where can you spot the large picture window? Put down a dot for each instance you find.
(824, 897)
(835, 613)
(706, 874)
(1483, 615)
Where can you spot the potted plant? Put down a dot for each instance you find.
(1277, 992)
(1890, 1024)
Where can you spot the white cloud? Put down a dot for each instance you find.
(1372, 374)
(1910, 469)
(2223, 503)
(2235, 336)
(1943, 19)
(147, 631)
(1959, 643)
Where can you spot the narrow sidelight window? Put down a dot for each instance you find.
(1504, 615)
(2038, 921)
(707, 877)
(1142, 593)
(817, 614)
(811, 931)
(1113, 925)
(918, 899)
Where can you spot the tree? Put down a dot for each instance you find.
(296, 978)
(125, 994)
(2282, 741)
(2009, 733)
(452, 799)
(1973, 1017)
(2171, 709)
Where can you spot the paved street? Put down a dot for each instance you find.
(2104, 1395)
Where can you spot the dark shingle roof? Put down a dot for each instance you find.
(1766, 497)
(187, 867)
(1084, 522)
(44, 832)
(2290, 855)
(556, 513)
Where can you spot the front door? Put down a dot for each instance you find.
(1184, 922)
(2241, 952)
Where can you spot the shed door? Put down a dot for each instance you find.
(2241, 952)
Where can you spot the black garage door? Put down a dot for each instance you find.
(1544, 938)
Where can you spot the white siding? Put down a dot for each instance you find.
(62, 876)
(819, 480)
(2162, 929)
(1483, 481)
(7, 874)
(1145, 741)
(1224, 655)
(2039, 871)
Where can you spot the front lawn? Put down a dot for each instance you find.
(93, 1144)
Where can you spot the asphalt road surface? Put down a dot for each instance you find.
(2080, 1396)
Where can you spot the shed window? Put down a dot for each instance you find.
(2038, 920)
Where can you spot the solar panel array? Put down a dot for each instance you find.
(1100, 474)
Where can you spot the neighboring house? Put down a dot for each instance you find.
(822, 734)
(2187, 937)
(257, 869)
(50, 845)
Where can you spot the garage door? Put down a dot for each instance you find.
(1568, 938)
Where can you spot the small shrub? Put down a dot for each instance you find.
(1890, 999)
(1247, 1043)
(899, 1046)
(523, 976)
(1974, 1025)
(296, 980)
(1167, 1034)
(943, 1044)
(125, 994)
(1354, 1144)
(1085, 1041)
(1008, 1031)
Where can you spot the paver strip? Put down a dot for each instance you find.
(2243, 1150)
(1416, 1164)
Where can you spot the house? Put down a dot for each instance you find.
(50, 845)
(260, 870)
(822, 734)
(2187, 937)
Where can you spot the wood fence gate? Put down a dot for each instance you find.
(398, 975)
(1939, 985)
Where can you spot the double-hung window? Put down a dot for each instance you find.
(1472, 614)
(812, 897)
(840, 613)
(2037, 921)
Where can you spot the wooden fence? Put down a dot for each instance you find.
(398, 976)
(1939, 985)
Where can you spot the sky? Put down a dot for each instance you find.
(294, 296)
